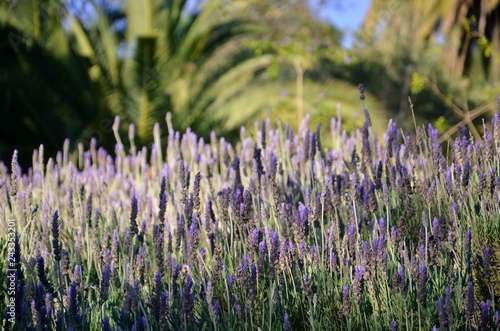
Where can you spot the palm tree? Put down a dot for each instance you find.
(44, 93)
(450, 48)
(173, 61)
(296, 83)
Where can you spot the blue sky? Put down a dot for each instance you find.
(347, 15)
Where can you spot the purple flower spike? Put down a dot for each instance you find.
(485, 316)
(43, 277)
(73, 304)
(253, 281)
(443, 316)
(262, 258)
(495, 127)
(242, 273)
(345, 301)
(422, 280)
(188, 300)
(286, 324)
(56, 245)
(307, 289)
(394, 326)
(105, 282)
(133, 217)
(163, 200)
(255, 238)
(358, 283)
(487, 265)
(470, 301)
(275, 246)
(105, 324)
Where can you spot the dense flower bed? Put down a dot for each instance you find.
(277, 232)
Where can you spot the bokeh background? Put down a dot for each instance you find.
(69, 67)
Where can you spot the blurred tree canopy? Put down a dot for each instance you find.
(68, 67)
(445, 54)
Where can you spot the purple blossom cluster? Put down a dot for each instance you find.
(283, 232)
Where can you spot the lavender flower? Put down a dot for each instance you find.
(14, 175)
(366, 149)
(142, 324)
(492, 179)
(105, 324)
(258, 159)
(435, 148)
(237, 309)
(263, 135)
(193, 239)
(352, 239)
(443, 316)
(105, 282)
(495, 127)
(73, 308)
(307, 144)
(184, 179)
(88, 214)
(215, 311)
(307, 288)
(394, 326)
(246, 207)
(163, 202)
(255, 237)
(482, 184)
(286, 323)
(179, 234)
(230, 284)
(242, 273)
(275, 245)
(314, 144)
(399, 280)
(485, 316)
(358, 283)
(134, 230)
(422, 280)
(56, 245)
(237, 177)
(253, 281)
(156, 299)
(262, 256)
(77, 275)
(487, 265)
(43, 277)
(300, 224)
(448, 305)
(114, 246)
(345, 301)
(196, 191)
(466, 173)
(318, 137)
(470, 301)
(188, 300)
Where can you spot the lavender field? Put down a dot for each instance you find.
(278, 232)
